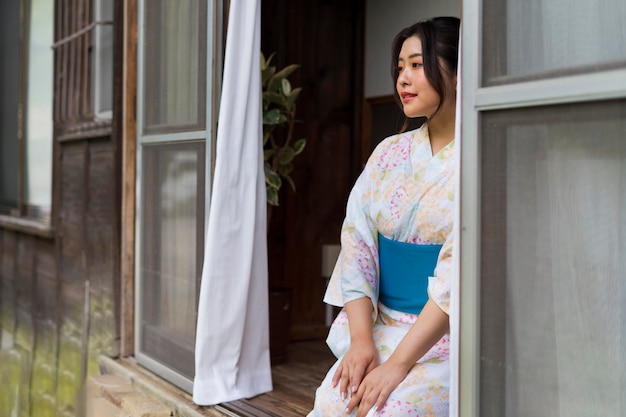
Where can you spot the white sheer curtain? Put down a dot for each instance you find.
(232, 342)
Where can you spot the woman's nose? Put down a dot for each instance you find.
(403, 78)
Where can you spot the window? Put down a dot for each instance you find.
(553, 284)
(82, 91)
(579, 37)
(543, 285)
(174, 141)
(102, 60)
(84, 69)
(26, 77)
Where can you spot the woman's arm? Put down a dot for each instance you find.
(362, 355)
(431, 325)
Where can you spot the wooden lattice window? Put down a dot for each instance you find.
(83, 67)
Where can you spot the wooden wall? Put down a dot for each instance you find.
(59, 284)
(326, 38)
(57, 293)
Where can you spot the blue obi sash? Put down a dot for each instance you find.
(404, 272)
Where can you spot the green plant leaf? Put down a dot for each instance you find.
(274, 117)
(269, 59)
(286, 156)
(276, 82)
(267, 74)
(275, 98)
(299, 146)
(272, 179)
(266, 135)
(286, 86)
(293, 96)
(267, 154)
(285, 170)
(287, 71)
(272, 196)
(282, 118)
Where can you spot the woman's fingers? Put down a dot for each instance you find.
(355, 400)
(337, 374)
(355, 379)
(374, 391)
(343, 381)
(382, 398)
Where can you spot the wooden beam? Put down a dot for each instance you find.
(129, 144)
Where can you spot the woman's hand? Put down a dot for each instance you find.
(431, 325)
(376, 387)
(358, 361)
(362, 356)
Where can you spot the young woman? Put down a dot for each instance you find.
(392, 277)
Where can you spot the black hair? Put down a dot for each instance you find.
(440, 52)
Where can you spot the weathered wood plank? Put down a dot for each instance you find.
(101, 250)
(71, 211)
(25, 272)
(7, 276)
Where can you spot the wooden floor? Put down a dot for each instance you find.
(294, 381)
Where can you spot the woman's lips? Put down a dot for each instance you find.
(406, 97)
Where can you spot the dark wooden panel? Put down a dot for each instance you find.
(25, 273)
(326, 39)
(8, 306)
(8, 255)
(71, 210)
(46, 280)
(101, 246)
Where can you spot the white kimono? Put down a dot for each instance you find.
(405, 194)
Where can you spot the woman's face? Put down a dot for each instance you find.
(416, 94)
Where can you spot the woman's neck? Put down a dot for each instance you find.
(441, 128)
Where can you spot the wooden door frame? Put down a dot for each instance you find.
(126, 113)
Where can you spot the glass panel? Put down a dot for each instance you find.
(174, 66)
(172, 242)
(38, 183)
(553, 260)
(539, 39)
(10, 28)
(103, 57)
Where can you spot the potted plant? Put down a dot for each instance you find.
(279, 118)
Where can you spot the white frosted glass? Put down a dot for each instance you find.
(175, 65)
(178, 273)
(38, 184)
(103, 60)
(539, 38)
(171, 237)
(559, 324)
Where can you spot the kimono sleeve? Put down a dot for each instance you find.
(439, 283)
(356, 273)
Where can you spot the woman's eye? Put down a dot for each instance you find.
(416, 65)
(399, 69)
